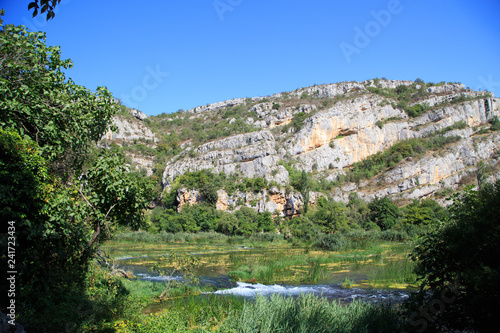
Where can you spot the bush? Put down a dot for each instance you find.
(495, 124)
(460, 260)
(332, 242)
(394, 235)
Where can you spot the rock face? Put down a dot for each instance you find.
(130, 129)
(354, 124)
(270, 118)
(274, 200)
(348, 133)
(250, 155)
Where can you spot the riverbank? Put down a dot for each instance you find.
(244, 283)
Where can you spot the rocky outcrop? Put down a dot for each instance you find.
(139, 114)
(187, 197)
(220, 105)
(130, 129)
(348, 132)
(141, 163)
(270, 118)
(331, 139)
(250, 155)
(275, 201)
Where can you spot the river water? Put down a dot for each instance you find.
(215, 275)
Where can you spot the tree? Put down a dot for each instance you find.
(227, 224)
(60, 195)
(424, 213)
(209, 193)
(176, 263)
(265, 222)
(113, 195)
(330, 216)
(304, 189)
(248, 221)
(459, 265)
(384, 212)
(37, 100)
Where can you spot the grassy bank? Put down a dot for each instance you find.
(306, 313)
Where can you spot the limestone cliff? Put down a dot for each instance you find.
(325, 129)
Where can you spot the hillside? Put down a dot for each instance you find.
(402, 139)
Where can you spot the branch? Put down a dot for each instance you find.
(98, 227)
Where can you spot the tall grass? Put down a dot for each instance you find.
(359, 239)
(166, 237)
(307, 314)
(310, 314)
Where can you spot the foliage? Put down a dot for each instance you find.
(495, 124)
(332, 242)
(114, 196)
(460, 262)
(301, 227)
(22, 163)
(228, 224)
(47, 6)
(209, 193)
(298, 120)
(48, 129)
(425, 213)
(304, 186)
(61, 117)
(205, 218)
(330, 216)
(384, 212)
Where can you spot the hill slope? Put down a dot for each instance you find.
(401, 139)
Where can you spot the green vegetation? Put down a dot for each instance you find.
(495, 124)
(59, 194)
(458, 264)
(305, 314)
(408, 96)
(61, 197)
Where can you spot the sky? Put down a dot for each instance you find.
(162, 56)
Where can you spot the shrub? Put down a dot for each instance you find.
(495, 124)
(460, 260)
(332, 242)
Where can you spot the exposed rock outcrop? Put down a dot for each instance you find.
(360, 123)
(130, 129)
(275, 201)
(250, 155)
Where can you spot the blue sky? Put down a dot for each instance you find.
(161, 56)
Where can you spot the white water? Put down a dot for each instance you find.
(157, 278)
(329, 291)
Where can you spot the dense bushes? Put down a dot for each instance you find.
(332, 242)
(348, 225)
(458, 264)
(204, 218)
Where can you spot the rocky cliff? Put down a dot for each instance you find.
(325, 130)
